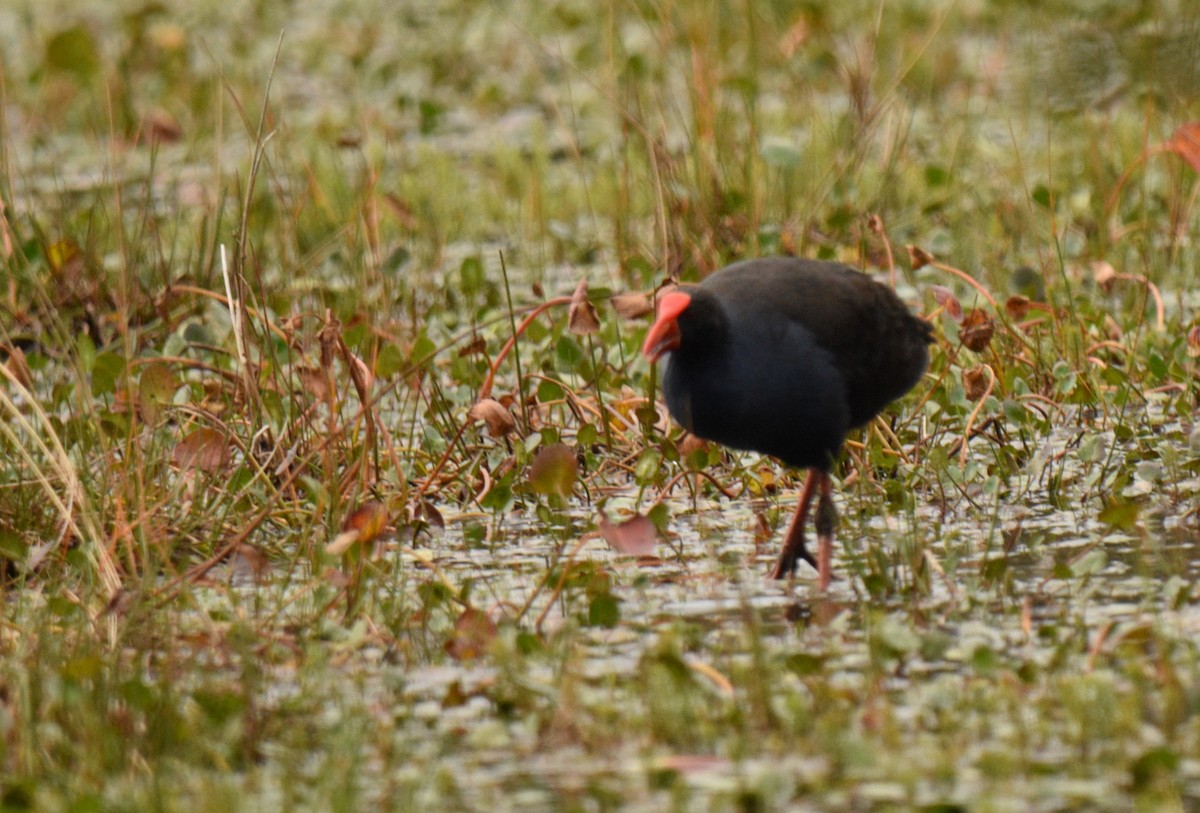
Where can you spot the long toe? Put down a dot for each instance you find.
(790, 559)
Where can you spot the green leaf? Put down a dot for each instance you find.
(554, 470)
(1158, 763)
(805, 664)
(12, 546)
(389, 362)
(1121, 514)
(106, 371)
(936, 175)
(549, 390)
(471, 275)
(73, 50)
(220, 705)
(604, 611)
(156, 388)
(647, 467)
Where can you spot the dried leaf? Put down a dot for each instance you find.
(554, 470)
(975, 382)
(473, 634)
(427, 511)
(919, 257)
(632, 305)
(875, 224)
(1104, 274)
(690, 443)
(336, 577)
(475, 346)
(369, 519)
(1185, 142)
(342, 542)
(499, 420)
(251, 561)
(768, 478)
(581, 315)
(977, 329)
(948, 302)
(160, 127)
(1193, 342)
(359, 371)
(18, 366)
(362, 526)
(635, 536)
(314, 381)
(1112, 329)
(1017, 307)
(205, 448)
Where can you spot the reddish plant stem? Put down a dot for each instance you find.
(486, 390)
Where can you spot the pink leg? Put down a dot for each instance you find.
(826, 521)
(794, 548)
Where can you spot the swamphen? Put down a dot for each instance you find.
(784, 356)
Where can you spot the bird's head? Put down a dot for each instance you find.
(664, 335)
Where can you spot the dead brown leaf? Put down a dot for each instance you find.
(313, 380)
(690, 443)
(160, 127)
(473, 633)
(499, 420)
(206, 449)
(473, 347)
(250, 560)
(18, 366)
(633, 305)
(429, 512)
(975, 383)
(363, 525)
(977, 330)
(1104, 275)
(635, 536)
(919, 257)
(948, 302)
(1185, 142)
(581, 315)
(1017, 307)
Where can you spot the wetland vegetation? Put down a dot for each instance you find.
(331, 477)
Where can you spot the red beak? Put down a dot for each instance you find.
(664, 334)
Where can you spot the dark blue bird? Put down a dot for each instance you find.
(784, 356)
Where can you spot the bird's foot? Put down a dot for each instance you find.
(790, 557)
(794, 548)
(789, 560)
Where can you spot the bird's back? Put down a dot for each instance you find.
(878, 346)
